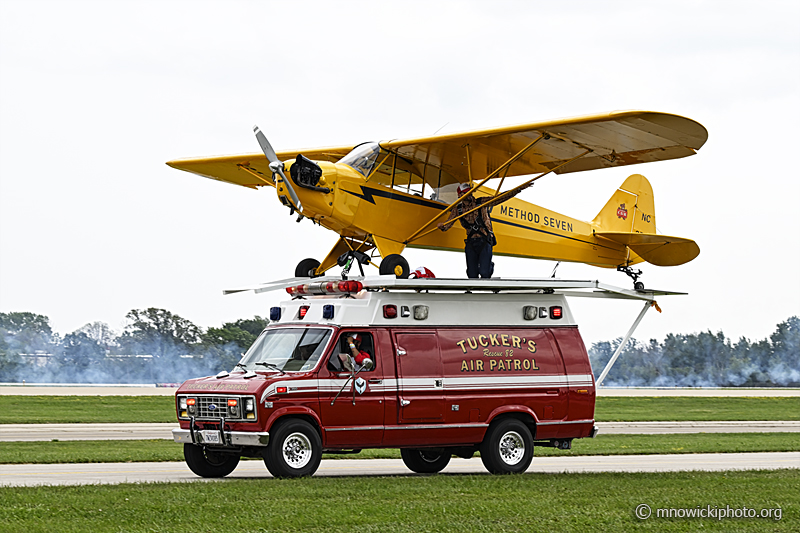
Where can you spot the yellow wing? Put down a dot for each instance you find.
(615, 139)
(251, 170)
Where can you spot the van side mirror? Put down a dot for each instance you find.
(367, 364)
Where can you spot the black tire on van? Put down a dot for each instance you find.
(507, 447)
(295, 449)
(209, 463)
(425, 460)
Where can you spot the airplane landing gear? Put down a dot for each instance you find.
(634, 275)
(346, 260)
(395, 264)
(306, 268)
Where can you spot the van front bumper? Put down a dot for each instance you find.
(232, 438)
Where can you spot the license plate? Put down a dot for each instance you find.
(210, 436)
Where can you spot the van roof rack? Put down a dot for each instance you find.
(580, 288)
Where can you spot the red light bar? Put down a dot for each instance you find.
(191, 401)
(232, 402)
(281, 390)
(303, 311)
(555, 312)
(322, 288)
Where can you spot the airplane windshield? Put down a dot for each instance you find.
(363, 158)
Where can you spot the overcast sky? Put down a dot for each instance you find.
(96, 96)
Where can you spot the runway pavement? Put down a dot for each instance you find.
(113, 473)
(48, 432)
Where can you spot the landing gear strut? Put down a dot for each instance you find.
(346, 260)
(634, 275)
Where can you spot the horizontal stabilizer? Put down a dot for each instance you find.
(660, 250)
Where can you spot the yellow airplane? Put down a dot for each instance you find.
(381, 197)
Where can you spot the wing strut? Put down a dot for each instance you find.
(498, 198)
(505, 165)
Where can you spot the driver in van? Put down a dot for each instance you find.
(353, 343)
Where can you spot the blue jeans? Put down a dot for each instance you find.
(479, 258)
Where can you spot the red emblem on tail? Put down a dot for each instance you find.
(622, 212)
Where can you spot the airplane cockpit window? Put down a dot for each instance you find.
(363, 158)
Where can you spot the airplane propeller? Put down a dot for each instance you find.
(276, 165)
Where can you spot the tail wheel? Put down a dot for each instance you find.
(507, 447)
(209, 463)
(426, 460)
(395, 264)
(295, 450)
(306, 268)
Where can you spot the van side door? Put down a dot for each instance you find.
(420, 377)
(352, 412)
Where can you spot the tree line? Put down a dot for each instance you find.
(704, 360)
(157, 346)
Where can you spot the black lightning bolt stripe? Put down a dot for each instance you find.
(494, 220)
(369, 194)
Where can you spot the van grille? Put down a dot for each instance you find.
(214, 407)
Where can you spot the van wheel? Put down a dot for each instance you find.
(306, 268)
(394, 264)
(426, 460)
(295, 450)
(208, 463)
(507, 447)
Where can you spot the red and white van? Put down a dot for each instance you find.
(455, 367)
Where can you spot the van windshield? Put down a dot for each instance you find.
(286, 349)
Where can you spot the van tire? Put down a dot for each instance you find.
(209, 463)
(507, 447)
(396, 265)
(295, 449)
(306, 268)
(425, 460)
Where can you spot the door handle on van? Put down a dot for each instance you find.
(400, 351)
(403, 403)
(375, 380)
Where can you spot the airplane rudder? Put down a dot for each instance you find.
(644, 219)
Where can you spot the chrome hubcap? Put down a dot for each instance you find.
(297, 450)
(512, 448)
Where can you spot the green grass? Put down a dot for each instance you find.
(688, 408)
(165, 450)
(128, 409)
(442, 503)
(86, 409)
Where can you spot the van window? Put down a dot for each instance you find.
(364, 345)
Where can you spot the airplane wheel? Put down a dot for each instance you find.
(305, 268)
(639, 286)
(395, 264)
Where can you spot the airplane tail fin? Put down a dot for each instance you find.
(630, 209)
(629, 218)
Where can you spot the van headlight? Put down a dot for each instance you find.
(250, 408)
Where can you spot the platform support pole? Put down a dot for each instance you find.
(613, 359)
